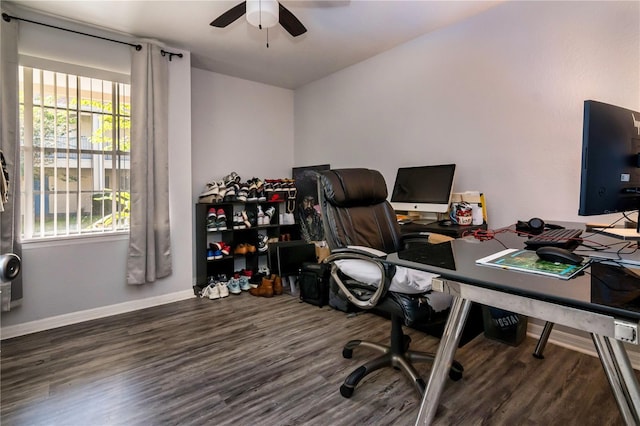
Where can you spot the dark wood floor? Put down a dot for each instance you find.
(246, 360)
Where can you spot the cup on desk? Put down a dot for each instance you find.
(462, 213)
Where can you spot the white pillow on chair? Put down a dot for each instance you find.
(406, 280)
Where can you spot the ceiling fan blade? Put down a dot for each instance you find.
(290, 23)
(230, 15)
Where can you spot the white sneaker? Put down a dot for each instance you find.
(223, 290)
(214, 292)
(210, 193)
(268, 214)
(261, 217)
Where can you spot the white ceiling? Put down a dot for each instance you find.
(339, 32)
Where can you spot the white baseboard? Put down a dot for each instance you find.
(91, 314)
(577, 343)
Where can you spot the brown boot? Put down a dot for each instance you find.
(277, 285)
(265, 289)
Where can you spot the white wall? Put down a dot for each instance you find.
(239, 125)
(500, 94)
(71, 280)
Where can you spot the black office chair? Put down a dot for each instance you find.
(355, 212)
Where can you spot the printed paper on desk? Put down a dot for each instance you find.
(528, 261)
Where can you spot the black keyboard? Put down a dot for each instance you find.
(564, 238)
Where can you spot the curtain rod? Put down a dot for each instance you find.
(8, 18)
(138, 47)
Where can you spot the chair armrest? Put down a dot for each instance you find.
(386, 270)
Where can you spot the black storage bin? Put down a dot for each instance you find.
(286, 258)
(313, 283)
(504, 326)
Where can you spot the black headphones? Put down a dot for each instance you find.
(535, 226)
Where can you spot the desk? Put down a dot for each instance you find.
(579, 303)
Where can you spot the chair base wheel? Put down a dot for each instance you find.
(346, 391)
(455, 372)
(347, 353)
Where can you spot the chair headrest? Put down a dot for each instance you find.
(353, 187)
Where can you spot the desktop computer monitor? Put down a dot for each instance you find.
(610, 173)
(424, 189)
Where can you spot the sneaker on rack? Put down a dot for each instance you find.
(243, 192)
(246, 218)
(210, 193)
(224, 248)
(260, 216)
(264, 270)
(252, 193)
(221, 221)
(261, 194)
(230, 194)
(240, 249)
(238, 221)
(268, 185)
(217, 252)
(230, 179)
(211, 220)
(269, 215)
(222, 190)
(263, 244)
(234, 286)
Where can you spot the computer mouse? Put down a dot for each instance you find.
(560, 255)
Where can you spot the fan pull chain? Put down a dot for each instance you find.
(267, 38)
(260, 17)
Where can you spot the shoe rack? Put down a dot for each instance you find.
(238, 239)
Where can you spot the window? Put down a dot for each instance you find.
(74, 141)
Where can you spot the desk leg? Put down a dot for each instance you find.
(621, 376)
(444, 358)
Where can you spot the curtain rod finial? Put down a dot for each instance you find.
(138, 47)
(6, 17)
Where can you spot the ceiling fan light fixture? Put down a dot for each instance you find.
(263, 13)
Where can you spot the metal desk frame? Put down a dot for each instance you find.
(602, 328)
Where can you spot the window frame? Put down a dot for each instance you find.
(30, 235)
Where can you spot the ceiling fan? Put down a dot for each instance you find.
(262, 13)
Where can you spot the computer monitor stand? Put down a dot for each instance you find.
(424, 218)
(621, 233)
(632, 234)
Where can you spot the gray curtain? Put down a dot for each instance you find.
(10, 146)
(149, 241)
